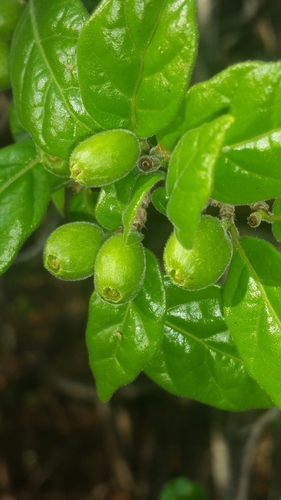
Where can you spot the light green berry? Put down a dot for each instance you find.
(205, 262)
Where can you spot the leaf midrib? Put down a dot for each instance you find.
(258, 281)
(20, 173)
(38, 40)
(205, 345)
(142, 58)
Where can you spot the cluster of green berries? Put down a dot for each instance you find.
(81, 249)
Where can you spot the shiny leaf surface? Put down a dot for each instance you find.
(190, 176)
(44, 75)
(24, 196)
(248, 168)
(134, 62)
(252, 307)
(198, 358)
(122, 339)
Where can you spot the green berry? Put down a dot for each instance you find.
(4, 65)
(119, 270)
(54, 164)
(70, 251)
(104, 157)
(205, 262)
(10, 11)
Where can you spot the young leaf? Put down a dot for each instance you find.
(141, 189)
(198, 358)
(122, 339)
(252, 307)
(160, 199)
(44, 75)
(113, 200)
(190, 175)
(24, 196)
(248, 168)
(134, 62)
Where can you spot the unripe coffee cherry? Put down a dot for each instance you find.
(104, 157)
(70, 251)
(205, 262)
(54, 164)
(119, 270)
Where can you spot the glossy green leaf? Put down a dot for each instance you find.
(252, 307)
(182, 488)
(82, 206)
(160, 200)
(276, 226)
(24, 196)
(135, 60)
(133, 212)
(122, 339)
(44, 75)
(113, 200)
(198, 357)
(190, 176)
(248, 168)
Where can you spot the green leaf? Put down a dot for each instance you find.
(135, 60)
(190, 176)
(252, 307)
(24, 196)
(44, 75)
(248, 169)
(141, 189)
(160, 199)
(18, 131)
(113, 200)
(182, 488)
(58, 199)
(82, 206)
(122, 339)
(198, 358)
(276, 226)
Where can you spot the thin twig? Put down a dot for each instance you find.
(267, 418)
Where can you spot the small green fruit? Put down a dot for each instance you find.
(10, 11)
(4, 65)
(54, 164)
(104, 157)
(70, 251)
(119, 270)
(205, 262)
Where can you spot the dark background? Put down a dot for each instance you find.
(57, 441)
